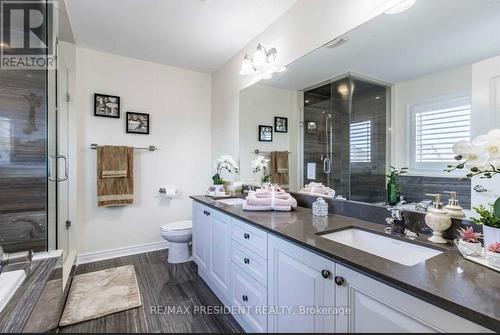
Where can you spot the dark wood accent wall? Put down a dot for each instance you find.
(23, 179)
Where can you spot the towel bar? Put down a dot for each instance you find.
(150, 148)
(257, 151)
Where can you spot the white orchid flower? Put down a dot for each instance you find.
(495, 133)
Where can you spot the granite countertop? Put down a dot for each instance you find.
(18, 310)
(448, 280)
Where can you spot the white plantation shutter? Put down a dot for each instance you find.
(436, 127)
(361, 142)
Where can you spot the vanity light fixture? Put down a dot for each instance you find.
(261, 57)
(246, 66)
(401, 7)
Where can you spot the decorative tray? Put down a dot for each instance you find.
(488, 259)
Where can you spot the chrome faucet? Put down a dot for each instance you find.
(14, 258)
(396, 223)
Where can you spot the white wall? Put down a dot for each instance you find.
(179, 103)
(485, 116)
(259, 105)
(305, 27)
(417, 91)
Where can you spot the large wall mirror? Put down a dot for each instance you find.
(398, 91)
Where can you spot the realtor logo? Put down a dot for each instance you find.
(26, 35)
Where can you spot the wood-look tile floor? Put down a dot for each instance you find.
(161, 284)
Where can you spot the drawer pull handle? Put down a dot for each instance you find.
(246, 260)
(326, 274)
(244, 297)
(339, 281)
(246, 236)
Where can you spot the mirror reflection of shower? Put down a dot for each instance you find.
(344, 137)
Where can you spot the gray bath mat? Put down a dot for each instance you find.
(96, 294)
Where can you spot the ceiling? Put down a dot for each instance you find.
(432, 36)
(199, 35)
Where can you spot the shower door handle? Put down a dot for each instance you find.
(55, 158)
(326, 165)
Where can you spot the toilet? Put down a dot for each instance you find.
(179, 235)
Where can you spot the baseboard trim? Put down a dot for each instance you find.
(120, 252)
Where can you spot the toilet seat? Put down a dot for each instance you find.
(177, 226)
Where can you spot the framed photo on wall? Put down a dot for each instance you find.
(138, 123)
(280, 124)
(106, 105)
(265, 133)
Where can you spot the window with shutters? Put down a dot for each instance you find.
(435, 127)
(361, 142)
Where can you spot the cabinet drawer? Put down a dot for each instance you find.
(249, 262)
(252, 296)
(250, 237)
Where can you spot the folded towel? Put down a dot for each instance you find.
(247, 207)
(115, 191)
(254, 201)
(114, 161)
(318, 189)
(279, 168)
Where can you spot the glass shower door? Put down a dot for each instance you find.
(317, 136)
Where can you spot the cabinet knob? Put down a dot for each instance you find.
(326, 274)
(246, 236)
(244, 297)
(207, 213)
(246, 260)
(339, 280)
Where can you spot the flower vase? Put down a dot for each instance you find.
(490, 235)
(219, 189)
(392, 193)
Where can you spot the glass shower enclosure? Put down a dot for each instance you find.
(345, 139)
(33, 155)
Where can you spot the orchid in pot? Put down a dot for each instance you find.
(259, 165)
(224, 163)
(470, 240)
(481, 158)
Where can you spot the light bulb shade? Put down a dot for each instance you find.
(246, 66)
(259, 58)
(401, 7)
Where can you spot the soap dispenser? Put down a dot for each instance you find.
(453, 209)
(437, 219)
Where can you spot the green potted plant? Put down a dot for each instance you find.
(490, 222)
(393, 190)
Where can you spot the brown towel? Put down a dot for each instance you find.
(279, 168)
(116, 191)
(114, 161)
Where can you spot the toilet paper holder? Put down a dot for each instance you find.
(168, 193)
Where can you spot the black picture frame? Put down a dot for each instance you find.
(143, 130)
(280, 124)
(100, 105)
(265, 133)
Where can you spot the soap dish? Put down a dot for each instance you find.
(487, 259)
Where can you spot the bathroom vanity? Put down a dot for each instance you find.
(292, 272)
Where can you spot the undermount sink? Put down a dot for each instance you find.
(9, 283)
(232, 201)
(386, 247)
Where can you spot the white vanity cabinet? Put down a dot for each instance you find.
(212, 248)
(299, 279)
(202, 222)
(300, 290)
(376, 307)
